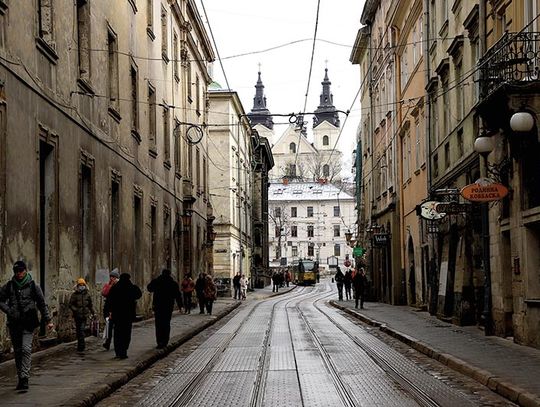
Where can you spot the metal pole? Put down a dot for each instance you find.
(486, 313)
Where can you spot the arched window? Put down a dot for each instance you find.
(326, 170)
(292, 147)
(325, 141)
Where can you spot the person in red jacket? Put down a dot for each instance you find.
(113, 279)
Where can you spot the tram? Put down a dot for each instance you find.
(305, 272)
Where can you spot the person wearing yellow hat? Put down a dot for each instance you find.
(80, 305)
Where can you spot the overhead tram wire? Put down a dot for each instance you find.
(215, 45)
(308, 81)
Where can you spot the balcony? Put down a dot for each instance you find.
(514, 60)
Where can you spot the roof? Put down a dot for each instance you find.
(306, 191)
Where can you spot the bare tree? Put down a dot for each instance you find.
(319, 168)
(282, 228)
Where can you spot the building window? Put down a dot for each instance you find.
(325, 141)
(460, 101)
(113, 71)
(292, 148)
(164, 30)
(310, 250)
(417, 156)
(153, 238)
(115, 225)
(326, 170)
(134, 98)
(294, 251)
(337, 249)
(294, 231)
(166, 134)
(294, 212)
(150, 14)
(46, 18)
(167, 237)
(310, 231)
(86, 221)
(83, 38)
(152, 118)
(177, 150)
(197, 95)
(198, 169)
(189, 85)
(435, 165)
(277, 212)
(310, 211)
(337, 211)
(175, 57)
(205, 182)
(460, 143)
(447, 155)
(337, 230)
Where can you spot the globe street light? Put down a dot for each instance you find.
(522, 122)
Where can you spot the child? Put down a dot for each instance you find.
(80, 304)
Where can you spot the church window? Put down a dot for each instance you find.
(292, 148)
(325, 141)
(326, 170)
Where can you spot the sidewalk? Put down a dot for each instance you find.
(507, 368)
(62, 377)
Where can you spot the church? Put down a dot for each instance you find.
(296, 158)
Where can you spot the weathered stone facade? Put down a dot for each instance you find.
(98, 169)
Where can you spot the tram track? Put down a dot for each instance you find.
(406, 381)
(193, 385)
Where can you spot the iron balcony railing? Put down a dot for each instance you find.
(514, 59)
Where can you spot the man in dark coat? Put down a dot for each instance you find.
(359, 283)
(199, 289)
(275, 282)
(123, 302)
(340, 279)
(20, 299)
(236, 286)
(166, 293)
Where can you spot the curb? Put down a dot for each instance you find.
(101, 390)
(508, 390)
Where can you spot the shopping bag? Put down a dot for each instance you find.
(106, 329)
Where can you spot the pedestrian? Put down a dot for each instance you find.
(20, 299)
(347, 282)
(114, 275)
(123, 298)
(243, 286)
(236, 286)
(80, 304)
(166, 293)
(339, 277)
(199, 289)
(359, 282)
(275, 282)
(210, 293)
(188, 285)
(287, 277)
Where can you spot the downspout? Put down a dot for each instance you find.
(427, 73)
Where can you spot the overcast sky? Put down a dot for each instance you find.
(250, 26)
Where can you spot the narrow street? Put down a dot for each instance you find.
(296, 350)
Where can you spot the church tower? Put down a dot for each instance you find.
(326, 120)
(260, 115)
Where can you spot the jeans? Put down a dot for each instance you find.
(237, 293)
(348, 292)
(21, 339)
(209, 304)
(340, 291)
(187, 302)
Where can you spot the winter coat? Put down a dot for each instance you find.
(236, 281)
(339, 277)
(359, 282)
(123, 298)
(199, 286)
(80, 304)
(348, 278)
(166, 292)
(243, 283)
(188, 285)
(21, 304)
(210, 289)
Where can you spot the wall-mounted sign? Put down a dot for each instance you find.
(484, 190)
(428, 210)
(381, 239)
(332, 261)
(452, 208)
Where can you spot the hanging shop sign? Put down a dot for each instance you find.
(358, 251)
(428, 210)
(452, 208)
(484, 190)
(381, 239)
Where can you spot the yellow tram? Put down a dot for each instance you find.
(305, 272)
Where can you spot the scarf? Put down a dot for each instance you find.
(24, 281)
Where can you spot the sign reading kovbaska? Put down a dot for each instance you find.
(484, 190)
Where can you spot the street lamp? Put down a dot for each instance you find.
(483, 145)
(348, 236)
(522, 122)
